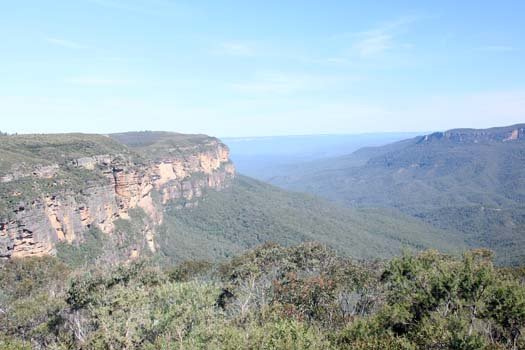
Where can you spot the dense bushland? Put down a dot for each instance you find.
(303, 297)
(248, 213)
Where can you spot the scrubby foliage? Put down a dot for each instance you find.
(158, 145)
(272, 297)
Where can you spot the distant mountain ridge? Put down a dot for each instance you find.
(497, 134)
(266, 157)
(467, 180)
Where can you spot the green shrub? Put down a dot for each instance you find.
(303, 297)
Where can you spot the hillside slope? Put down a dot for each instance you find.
(251, 212)
(470, 181)
(127, 195)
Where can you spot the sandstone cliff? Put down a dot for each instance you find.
(463, 136)
(46, 202)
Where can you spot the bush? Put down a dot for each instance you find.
(303, 297)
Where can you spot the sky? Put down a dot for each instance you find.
(254, 68)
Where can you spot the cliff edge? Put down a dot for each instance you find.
(56, 188)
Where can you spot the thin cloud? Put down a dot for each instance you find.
(96, 81)
(157, 8)
(66, 43)
(380, 39)
(373, 43)
(235, 48)
(284, 83)
(119, 5)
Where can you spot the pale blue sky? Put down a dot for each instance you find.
(239, 68)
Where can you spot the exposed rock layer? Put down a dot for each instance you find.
(34, 227)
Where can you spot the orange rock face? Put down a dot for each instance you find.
(64, 217)
(514, 135)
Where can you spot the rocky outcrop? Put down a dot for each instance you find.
(503, 134)
(35, 226)
(40, 172)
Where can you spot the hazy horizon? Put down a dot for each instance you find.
(236, 69)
